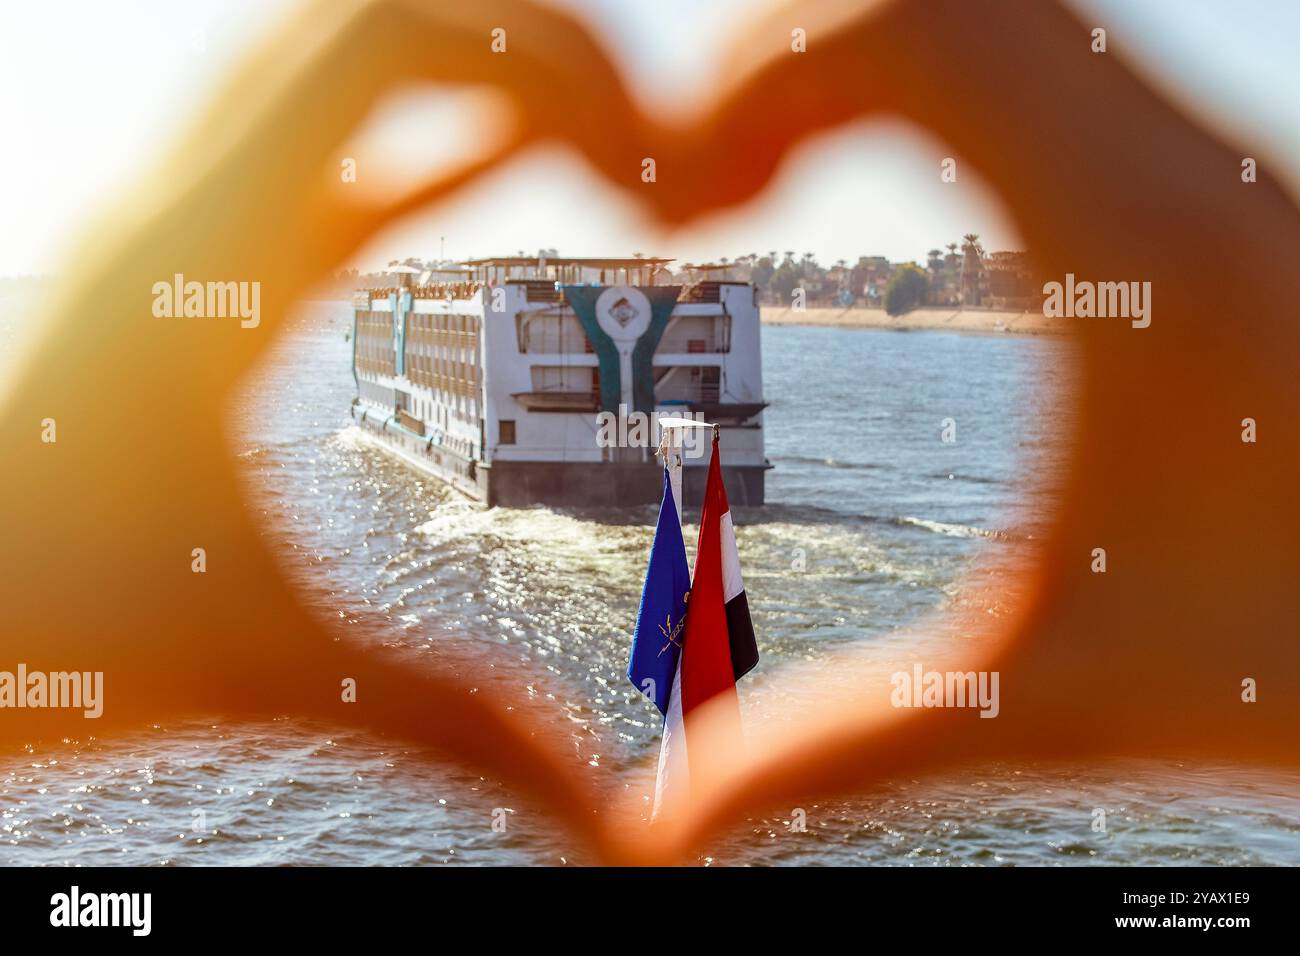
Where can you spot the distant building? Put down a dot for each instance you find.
(870, 277)
(837, 287)
(945, 278)
(1012, 281)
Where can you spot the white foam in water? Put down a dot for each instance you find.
(952, 530)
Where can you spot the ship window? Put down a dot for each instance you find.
(506, 432)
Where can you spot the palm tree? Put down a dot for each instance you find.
(972, 254)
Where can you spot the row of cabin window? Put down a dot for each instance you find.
(430, 323)
(441, 352)
(374, 343)
(461, 378)
(449, 331)
(454, 333)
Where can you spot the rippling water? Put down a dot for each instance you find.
(882, 518)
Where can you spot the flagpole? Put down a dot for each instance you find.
(674, 464)
(671, 443)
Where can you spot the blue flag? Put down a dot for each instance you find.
(657, 643)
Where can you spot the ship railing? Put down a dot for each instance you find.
(705, 291)
(690, 342)
(436, 290)
(538, 290)
(687, 393)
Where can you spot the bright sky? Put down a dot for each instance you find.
(88, 88)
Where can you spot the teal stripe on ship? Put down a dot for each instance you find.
(400, 302)
(582, 299)
(662, 300)
(355, 378)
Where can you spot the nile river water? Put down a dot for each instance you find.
(877, 514)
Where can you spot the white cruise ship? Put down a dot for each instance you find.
(522, 381)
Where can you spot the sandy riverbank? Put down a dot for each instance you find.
(967, 320)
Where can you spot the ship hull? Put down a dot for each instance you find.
(519, 484)
(460, 473)
(523, 484)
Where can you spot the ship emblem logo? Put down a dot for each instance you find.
(623, 312)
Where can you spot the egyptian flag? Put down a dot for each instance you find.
(719, 646)
(711, 650)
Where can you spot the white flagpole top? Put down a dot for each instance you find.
(682, 423)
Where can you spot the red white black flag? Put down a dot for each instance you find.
(718, 646)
